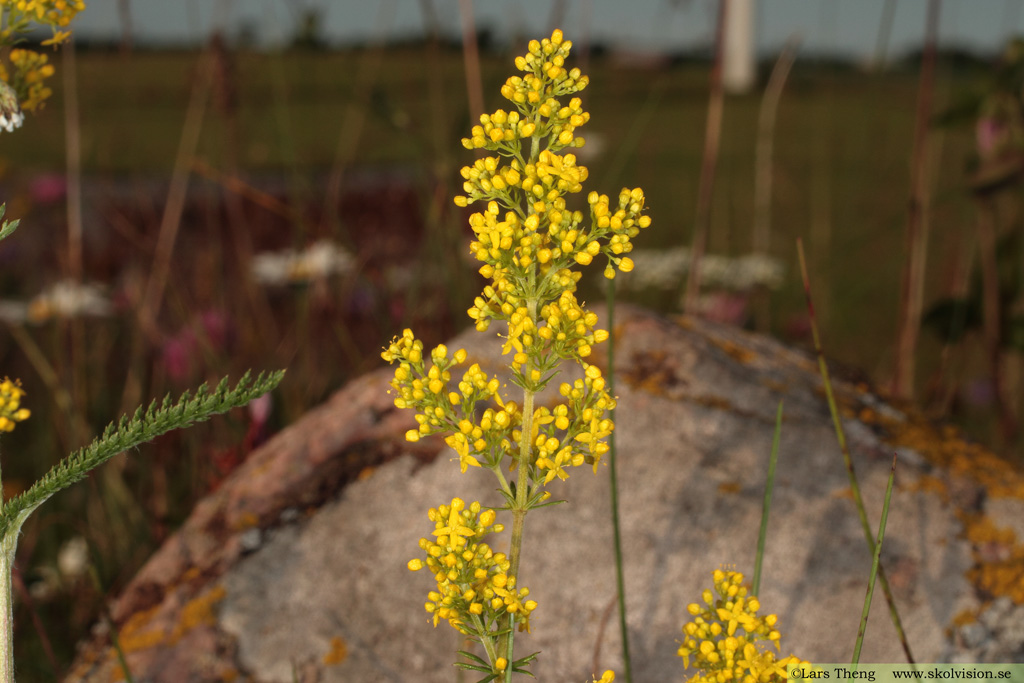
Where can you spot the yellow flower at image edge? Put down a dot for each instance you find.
(31, 69)
(11, 411)
(54, 13)
(724, 634)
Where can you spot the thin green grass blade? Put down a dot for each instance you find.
(874, 566)
(841, 438)
(769, 486)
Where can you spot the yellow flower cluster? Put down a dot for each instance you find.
(568, 435)
(527, 238)
(473, 587)
(11, 411)
(723, 636)
(530, 243)
(23, 79)
(18, 15)
(29, 72)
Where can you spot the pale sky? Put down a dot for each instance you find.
(850, 27)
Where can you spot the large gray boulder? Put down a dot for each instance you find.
(295, 569)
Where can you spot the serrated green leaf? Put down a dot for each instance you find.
(143, 427)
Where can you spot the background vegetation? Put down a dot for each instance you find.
(362, 147)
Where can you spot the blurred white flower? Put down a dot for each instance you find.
(11, 121)
(64, 299)
(69, 299)
(666, 268)
(319, 260)
(10, 113)
(73, 558)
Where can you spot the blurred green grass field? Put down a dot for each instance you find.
(842, 153)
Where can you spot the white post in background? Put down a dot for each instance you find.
(739, 64)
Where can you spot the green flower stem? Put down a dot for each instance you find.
(488, 643)
(117, 438)
(8, 546)
(613, 477)
(519, 514)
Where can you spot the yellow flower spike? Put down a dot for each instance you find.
(524, 235)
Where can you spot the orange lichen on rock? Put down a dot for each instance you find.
(135, 634)
(337, 653)
(999, 559)
(246, 520)
(930, 484)
(735, 351)
(198, 612)
(945, 446)
(964, 617)
(139, 634)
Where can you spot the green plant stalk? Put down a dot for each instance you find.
(8, 548)
(875, 567)
(769, 486)
(841, 438)
(126, 434)
(620, 583)
(519, 511)
(488, 643)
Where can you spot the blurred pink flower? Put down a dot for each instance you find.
(47, 188)
(216, 326)
(176, 356)
(180, 350)
(724, 307)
